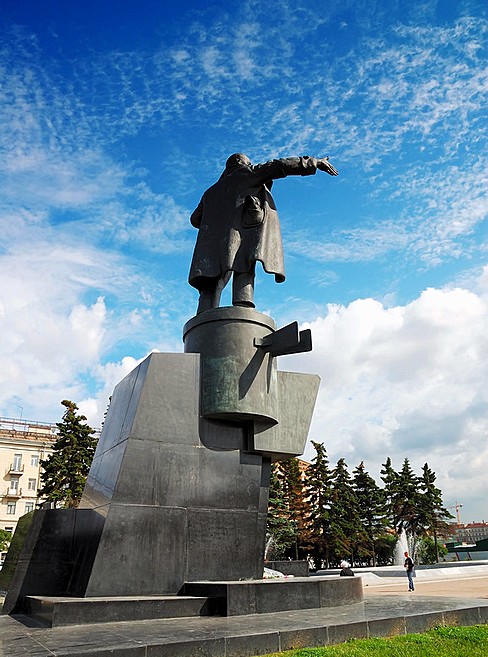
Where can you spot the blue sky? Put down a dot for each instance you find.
(115, 117)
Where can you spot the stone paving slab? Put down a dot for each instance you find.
(241, 636)
(461, 587)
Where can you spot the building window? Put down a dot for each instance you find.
(29, 506)
(35, 459)
(11, 508)
(31, 485)
(9, 529)
(14, 483)
(17, 465)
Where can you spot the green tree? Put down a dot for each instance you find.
(385, 548)
(432, 517)
(390, 480)
(345, 524)
(65, 471)
(428, 551)
(319, 495)
(406, 504)
(405, 498)
(371, 509)
(5, 538)
(290, 477)
(280, 529)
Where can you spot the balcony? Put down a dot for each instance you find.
(14, 493)
(15, 468)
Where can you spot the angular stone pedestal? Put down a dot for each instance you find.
(178, 488)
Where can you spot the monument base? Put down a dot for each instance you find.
(265, 596)
(238, 598)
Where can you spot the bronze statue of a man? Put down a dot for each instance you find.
(238, 225)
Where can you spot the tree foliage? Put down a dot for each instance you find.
(280, 529)
(5, 538)
(389, 478)
(372, 511)
(433, 517)
(290, 476)
(66, 469)
(348, 533)
(429, 551)
(406, 499)
(326, 515)
(318, 489)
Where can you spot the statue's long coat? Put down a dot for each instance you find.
(228, 240)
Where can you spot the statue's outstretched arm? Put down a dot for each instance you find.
(324, 165)
(292, 166)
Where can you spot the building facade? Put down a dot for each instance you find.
(23, 445)
(470, 533)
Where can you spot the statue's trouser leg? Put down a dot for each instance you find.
(243, 289)
(211, 292)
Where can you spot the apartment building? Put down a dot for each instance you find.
(23, 444)
(470, 533)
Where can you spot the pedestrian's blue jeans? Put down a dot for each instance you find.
(411, 587)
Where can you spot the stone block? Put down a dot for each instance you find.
(257, 644)
(386, 627)
(62, 611)
(422, 622)
(296, 568)
(340, 633)
(57, 555)
(462, 616)
(274, 595)
(308, 637)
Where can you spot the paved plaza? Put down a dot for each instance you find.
(462, 587)
(455, 596)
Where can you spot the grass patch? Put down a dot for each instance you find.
(438, 642)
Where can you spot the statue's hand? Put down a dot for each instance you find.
(324, 165)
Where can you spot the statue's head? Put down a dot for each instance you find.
(237, 160)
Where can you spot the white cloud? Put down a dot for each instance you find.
(404, 115)
(408, 381)
(56, 325)
(94, 407)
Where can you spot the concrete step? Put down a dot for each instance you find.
(59, 611)
(265, 596)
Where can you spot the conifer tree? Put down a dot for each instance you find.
(65, 470)
(433, 517)
(390, 479)
(345, 524)
(280, 530)
(318, 490)
(371, 509)
(405, 501)
(290, 476)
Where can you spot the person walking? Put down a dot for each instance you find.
(409, 566)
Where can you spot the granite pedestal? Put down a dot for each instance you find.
(178, 488)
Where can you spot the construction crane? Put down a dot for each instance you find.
(457, 506)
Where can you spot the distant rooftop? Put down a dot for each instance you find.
(31, 427)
